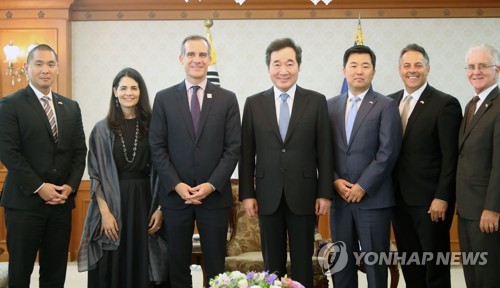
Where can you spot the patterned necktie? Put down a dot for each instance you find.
(50, 116)
(351, 116)
(471, 111)
(195, 108)
(284, 115)
(404, 113)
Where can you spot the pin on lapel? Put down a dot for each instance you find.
(422, 102)
(59, 102)
(209, 95)
(371, 102)
(486, 105)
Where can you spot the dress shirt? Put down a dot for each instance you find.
(200, 94)
(413, 102)
(483, 96)
(349, 102)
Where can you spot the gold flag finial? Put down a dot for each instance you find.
(208, 24)
(359, 33)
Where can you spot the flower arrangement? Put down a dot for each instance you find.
(263, 279)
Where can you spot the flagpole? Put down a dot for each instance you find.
(212, 73)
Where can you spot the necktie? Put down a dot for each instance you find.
(50, 116)
(404, 113)
(471, 111)
(351, 116)
(284, 115)
(195, 109)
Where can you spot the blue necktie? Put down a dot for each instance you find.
(351, 116)
(284, 115)
(195, 109)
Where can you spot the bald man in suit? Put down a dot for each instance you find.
(44, 154)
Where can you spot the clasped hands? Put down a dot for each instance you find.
(53, 194)
(348, 191)
(194, 195)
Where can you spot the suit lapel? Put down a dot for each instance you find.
(37, 107)
(366, 105)
(423, 100)
(206, 106)
(60, 115)
(183, 104)
(485, 106)
(269, 108)
(299, 106)
(340, 112)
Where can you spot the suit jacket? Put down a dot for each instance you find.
(181, 156)
(300, 166)
(372, 151)
(427, 162)
(29, 152)
(478, 170)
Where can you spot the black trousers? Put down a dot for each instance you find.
(274, 230)
(46, 231)
(416, 232)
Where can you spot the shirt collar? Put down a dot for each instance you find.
(290, 92)
(202, 84)
(360, 95)
(486, 92)
(415, 95)
(39, 94)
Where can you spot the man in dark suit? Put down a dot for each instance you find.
(478, 171)
(286, 147)
(195, 145)
(425, 171)
(366, 130)
(42, 145)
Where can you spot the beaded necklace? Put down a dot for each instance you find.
(135, 143)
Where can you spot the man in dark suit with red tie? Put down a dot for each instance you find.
(478, 171)
(42, 145)
(195, 145)
(286, 146)
(425, 171)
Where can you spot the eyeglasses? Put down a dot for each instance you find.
(480, 67)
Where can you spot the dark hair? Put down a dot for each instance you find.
(41, 47)
(142, 110)
(194, 37)
(279, 44)
(360, 49)
(416, 48)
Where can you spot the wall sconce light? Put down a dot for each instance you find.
(11, 53)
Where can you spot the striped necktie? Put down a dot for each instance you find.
(50, 115)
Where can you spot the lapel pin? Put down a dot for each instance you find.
(486, 105)
(209, 95)
(60, 103)
(371, 102)
(422, 102)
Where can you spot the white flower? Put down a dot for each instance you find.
(243, 283)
